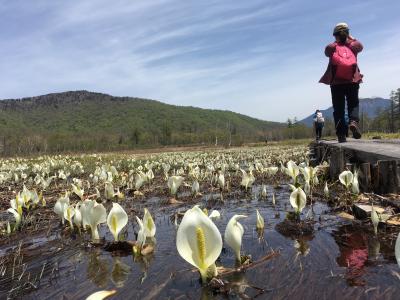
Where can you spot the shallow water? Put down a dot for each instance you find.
(338, 260)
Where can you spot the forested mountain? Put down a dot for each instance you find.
(82, 120)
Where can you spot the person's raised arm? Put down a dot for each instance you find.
(330, 49)
(354, 45)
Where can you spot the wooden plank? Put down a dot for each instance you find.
(378, 162)
(368, 150)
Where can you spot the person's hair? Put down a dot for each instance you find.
(317, 110)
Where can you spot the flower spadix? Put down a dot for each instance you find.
(198, 240)
(234, 233)
(298, 200)
(116, 220)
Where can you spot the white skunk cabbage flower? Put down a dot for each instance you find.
(140, 179)
(355, 188)
(35, 198)
(174, 182)
(346, 178)
(307, 188)
(374, 219)
(272, 170)
(61, 205)
(195, 187)
(16, 210)
(260, 220)
(97, 215)
(17, 216)
(85, 208)
(116, 220)
(148, 223)
(397, 249)
(141, 237)
(78, 191)
(69, 212)
(264, 191)
(326, 190)
(233, 234)
(108, 190)
(221, 181)
(247, 179)
(198, 240)
(292, 170)
(310, 175)
(100, 295)
(78, 215)
(298, 200)
(214, 214)
(98, 195)
(150, 175)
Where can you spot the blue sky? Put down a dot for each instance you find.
(260, 58)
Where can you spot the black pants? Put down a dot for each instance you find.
(340, 94)
(318, 129)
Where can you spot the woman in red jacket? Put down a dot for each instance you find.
(344, 77)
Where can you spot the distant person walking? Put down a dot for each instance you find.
(344, 77)
(318, 124)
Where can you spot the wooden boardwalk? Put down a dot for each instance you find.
(378, 161)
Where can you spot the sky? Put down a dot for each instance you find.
(259, 58)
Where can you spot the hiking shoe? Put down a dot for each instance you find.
(355, 130)
(341, 139)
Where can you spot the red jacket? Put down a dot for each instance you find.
(329, 77)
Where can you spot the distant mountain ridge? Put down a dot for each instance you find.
(82, 119)
(368, 106)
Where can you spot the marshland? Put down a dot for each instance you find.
(238, 223)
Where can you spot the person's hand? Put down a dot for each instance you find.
(350, 37)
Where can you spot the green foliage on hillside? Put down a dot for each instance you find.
(83, 120)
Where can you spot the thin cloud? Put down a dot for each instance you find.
(261, 58)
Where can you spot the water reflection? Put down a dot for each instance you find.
(120, 272)
(353, 246)
(301, 246)
(143, 261)
(98, 271)
(374, 248)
